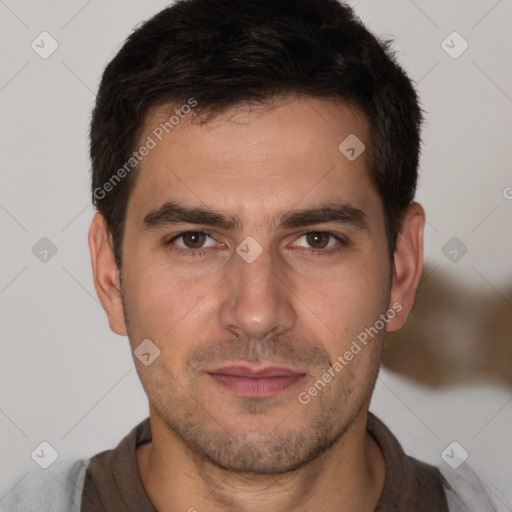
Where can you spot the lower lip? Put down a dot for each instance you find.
(256, 386)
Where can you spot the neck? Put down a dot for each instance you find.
(347, 477)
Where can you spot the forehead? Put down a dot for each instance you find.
(263, 157)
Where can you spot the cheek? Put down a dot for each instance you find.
(349, 300)
(166, 305)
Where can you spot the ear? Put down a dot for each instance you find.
(106, 274)
(407, 265)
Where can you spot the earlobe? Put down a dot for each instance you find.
(106, 274)
(407, 264)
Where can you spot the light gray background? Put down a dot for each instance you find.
(66, 379)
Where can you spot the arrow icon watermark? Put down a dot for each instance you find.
(249, 249)
(146, 352)
(44, 455)
(44, 250)
(352, 147)
(454, 249)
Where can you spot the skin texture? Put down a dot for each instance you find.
(294, 306)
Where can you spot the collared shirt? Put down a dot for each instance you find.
(110, 482)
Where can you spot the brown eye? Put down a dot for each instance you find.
(321, 242)
(318, 240)
(194, 239)
(193, 243)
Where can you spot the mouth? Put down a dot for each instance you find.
(255, 382)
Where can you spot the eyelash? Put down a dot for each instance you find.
(317, 252)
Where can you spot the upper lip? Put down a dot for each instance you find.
(246, 371)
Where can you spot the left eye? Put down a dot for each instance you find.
(319, 239)
(194, 240)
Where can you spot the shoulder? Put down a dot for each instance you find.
(56, 489)
(465, 492)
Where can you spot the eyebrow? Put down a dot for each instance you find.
(172, 213)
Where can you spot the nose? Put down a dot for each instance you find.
(257, 300)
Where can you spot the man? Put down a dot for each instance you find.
(254, 170)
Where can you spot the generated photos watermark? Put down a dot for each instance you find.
(143, 151)
(363, 338)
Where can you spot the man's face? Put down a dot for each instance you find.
(241, 335)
